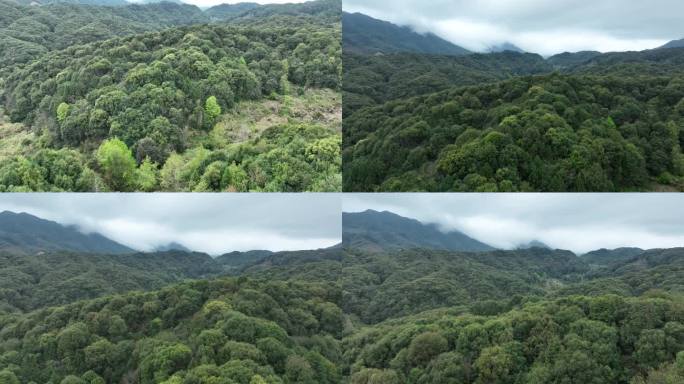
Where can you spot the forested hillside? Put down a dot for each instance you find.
(32, 281)
(372, 80)
(283, 330)
(27, 32)
(545, 133)
(344, 315)
(581, 121)
(383, 231)
(253, 106)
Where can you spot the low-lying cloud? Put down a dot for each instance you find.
(540, 26)
(577, 222)
(212, 223)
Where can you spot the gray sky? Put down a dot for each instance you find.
(578, 222)
(212, 223)
(541, 26)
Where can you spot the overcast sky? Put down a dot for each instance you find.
(541, 26)
(211, 3)
(577, 222)
(211, 223)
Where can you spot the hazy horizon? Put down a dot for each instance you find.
(210, 223)
(579, 223)
(536, 26)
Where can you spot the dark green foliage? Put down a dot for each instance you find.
(190, 333)
(369, 80)
(379, 285)
(31, 281)
(549, 133)
(560, 341)
(611, 256)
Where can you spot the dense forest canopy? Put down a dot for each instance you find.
(344, 315)
(606, 125)
(513, 121)
(365, 317)
(249, 106)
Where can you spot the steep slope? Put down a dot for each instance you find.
(372, 230)
(174, 99)
(28, 233)
(364, 34)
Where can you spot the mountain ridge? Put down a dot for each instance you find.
(30, 233)
(363, 33)
(373, 230)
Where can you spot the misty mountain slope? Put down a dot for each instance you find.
(52, 278)
(372, 230)
(27, 233)
(364, 34)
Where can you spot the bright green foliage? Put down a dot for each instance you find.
(147, 176)
(211, 108)
(62, 111)
(118, 164)
(160, 92)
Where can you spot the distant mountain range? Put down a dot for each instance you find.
(373, 230)
(22, 231)
(364, 34)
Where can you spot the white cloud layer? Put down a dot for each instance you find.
(577, 222)
(541, 26)
(211, 223)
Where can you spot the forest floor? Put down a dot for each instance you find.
(15, 139)
(248, 119)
